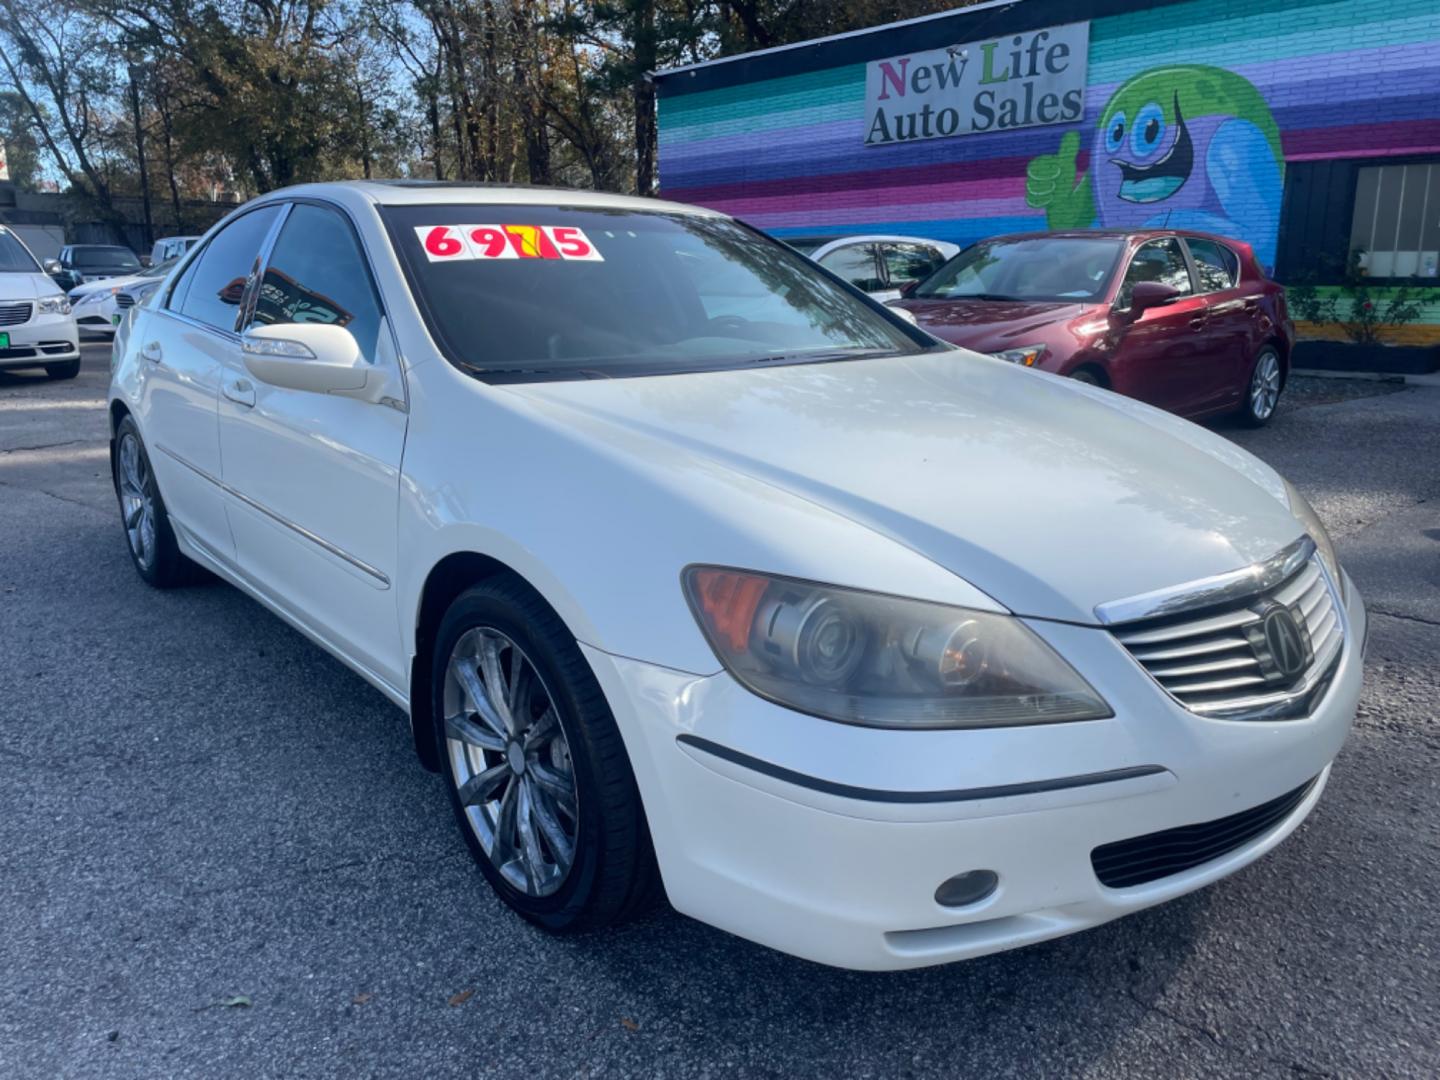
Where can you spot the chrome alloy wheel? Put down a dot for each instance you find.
(137, 503)
(1265, 386)
(510, 761)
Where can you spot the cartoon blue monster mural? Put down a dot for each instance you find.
(1185, 146)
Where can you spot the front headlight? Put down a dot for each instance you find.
(1305, 514)
(53, 305)
(882, 661)
(1024, 355)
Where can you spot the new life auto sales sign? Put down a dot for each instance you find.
(1013, 81)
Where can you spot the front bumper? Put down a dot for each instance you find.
(44, 339)
(828, 841)
(95, 314)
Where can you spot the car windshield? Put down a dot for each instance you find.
(14, 259)
(105, 258)
(558, 292)
(1059, 268)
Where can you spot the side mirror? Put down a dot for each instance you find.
(1150, 294)
(909, 287)
(319, 357)
(145, 260)
(52, 266)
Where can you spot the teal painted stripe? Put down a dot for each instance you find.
(686, 131)
(1118, 47)
(847, 79)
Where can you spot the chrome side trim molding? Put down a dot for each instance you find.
(1221, 589)
(300, 530)
(848, 791)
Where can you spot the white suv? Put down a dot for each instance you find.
(37, 329)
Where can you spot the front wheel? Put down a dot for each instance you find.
(1262, 395)
(538, 777)
(148, 532)
(68, 370)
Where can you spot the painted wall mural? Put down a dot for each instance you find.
(1188, 146)
(1191, 112)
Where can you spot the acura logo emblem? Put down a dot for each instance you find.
(1285, 642)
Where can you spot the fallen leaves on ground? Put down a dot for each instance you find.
(462, 997)
(628, 1024)
(361, 999)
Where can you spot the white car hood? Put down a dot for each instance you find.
(22, 286)
(1049, 496)
(96, 285)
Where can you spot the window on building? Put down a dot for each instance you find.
(1396, 229)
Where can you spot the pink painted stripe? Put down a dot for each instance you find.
(996, 189)
(803, 211)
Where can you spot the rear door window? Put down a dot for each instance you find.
(1216, 266)
(856, 264)
(213, 285)
(910, 262)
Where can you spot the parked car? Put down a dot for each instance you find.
(100, 305)
(1185, 321)
(37, 329)
(872, 650)
(170, 247)
(879, 265)
(79, 263)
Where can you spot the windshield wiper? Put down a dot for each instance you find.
(820, 355)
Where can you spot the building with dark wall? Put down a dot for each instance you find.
(1308, 129)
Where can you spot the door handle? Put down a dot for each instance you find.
(1197, 322)
(240, 391)
(151, 351)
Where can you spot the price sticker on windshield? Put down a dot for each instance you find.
(450, 243)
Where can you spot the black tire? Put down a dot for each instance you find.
(1257, 409)
(166, 567)
(613, 876)
(1086, 376)
(68, 370)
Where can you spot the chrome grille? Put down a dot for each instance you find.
(14, 314)
(124, 300)
(1217, 662)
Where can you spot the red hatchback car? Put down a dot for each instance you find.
(1185, 321)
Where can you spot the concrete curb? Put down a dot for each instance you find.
(1432, 379)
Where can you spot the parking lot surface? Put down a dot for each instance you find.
(218, 856)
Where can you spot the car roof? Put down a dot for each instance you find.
(449, 193)
(1116, 234)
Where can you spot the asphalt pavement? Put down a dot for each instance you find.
(218, 856)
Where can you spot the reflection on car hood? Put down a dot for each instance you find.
(104, 284)
(989, 325)
(1049, 496)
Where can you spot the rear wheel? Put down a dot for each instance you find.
(68, 370)
(1262, 395)
(1086, 376)
(538, 777)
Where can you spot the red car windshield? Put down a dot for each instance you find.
(1054, 268)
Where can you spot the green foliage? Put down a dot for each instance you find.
(1362, 309)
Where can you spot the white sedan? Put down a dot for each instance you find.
(100, 305)
(866, 648)
(880, 265)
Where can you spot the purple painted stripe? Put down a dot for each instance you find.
(1007, 168)
(996, 189)
(833, 149)
(803, 211)
(1409, 137)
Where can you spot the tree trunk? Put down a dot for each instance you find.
(643, 33)
(149, 233)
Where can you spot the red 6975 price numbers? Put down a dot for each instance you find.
(447, 243)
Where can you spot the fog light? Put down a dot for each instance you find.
(968, 888)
